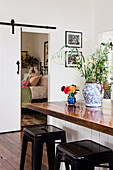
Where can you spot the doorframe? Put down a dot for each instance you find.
(39, 31)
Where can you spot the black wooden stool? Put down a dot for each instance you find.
(83, 155)
(39, 135)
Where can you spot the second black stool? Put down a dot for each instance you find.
(83, 155)
(39, 135)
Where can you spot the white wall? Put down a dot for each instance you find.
(102, 18)
(27, 43)
(66, 15)
(38, 46)
(34, 44)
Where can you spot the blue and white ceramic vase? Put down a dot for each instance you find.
(93, 94)
(71, 100)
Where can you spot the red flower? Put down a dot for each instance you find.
(62, 88)
(66, 90)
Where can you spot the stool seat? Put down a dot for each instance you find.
(83, 149)
(42, 131)
(39, 135)
(83, 155)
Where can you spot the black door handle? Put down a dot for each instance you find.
(18, 66)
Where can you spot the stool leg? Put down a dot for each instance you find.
(78, 166)
(75, 166)
(51, 154)
(91, 168)
(67, 166)
(37, 149)
(23, 154)
(111, 164)
(57, 161)
(63, 140)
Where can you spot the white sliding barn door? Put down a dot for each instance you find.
(10, 53)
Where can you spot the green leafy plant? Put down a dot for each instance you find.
(95, 67)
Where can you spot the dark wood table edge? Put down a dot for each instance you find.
(76, 120)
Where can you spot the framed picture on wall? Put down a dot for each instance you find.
(46, 54)
(70, 59)
(73, 39)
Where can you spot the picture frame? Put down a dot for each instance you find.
(73, 39)
(46, 54)
(70, 60)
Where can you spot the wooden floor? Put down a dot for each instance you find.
(10, 151)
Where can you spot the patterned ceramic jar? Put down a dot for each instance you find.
(93, 94)
(94, 114)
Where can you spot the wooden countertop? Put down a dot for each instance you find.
(98, 118)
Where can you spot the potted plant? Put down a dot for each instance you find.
(71, 91)
(95, 69)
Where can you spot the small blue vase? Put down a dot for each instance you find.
(71, 100)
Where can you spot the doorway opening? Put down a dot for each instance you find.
(34, 77)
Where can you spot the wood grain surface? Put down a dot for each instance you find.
(97, 118)
(10, 152)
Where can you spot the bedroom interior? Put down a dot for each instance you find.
(34, 76)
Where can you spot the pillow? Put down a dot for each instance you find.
(44, 81)
(34, 80)
(26, 78)
(35, 69)
(31, 70)
(25, 83)
(34, 74)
